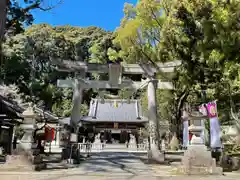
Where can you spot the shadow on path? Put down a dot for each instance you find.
(125, 163)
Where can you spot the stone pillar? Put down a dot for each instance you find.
(152, 113)
(77, 101)
(28, 126)
(57, 135)
(154, 153)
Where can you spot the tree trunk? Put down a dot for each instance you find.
(180, 102)
(3, 15)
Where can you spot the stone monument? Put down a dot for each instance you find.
(174, 143)
(197, 159)
(97, 139)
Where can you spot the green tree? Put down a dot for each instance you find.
(15, 15)
(139, 33)
(205, 36)
(29, 61)
(140, 38)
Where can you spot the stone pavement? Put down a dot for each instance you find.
(109, 166)
(16, 163)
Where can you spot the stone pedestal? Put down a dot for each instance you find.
(197, 159)
(174, 143)
(154, 155)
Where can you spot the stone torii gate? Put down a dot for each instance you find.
(115, 81)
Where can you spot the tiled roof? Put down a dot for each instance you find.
(115, 111)
(10, 108)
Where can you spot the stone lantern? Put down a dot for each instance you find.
(197, 159)
(196, 128)
(28, 127)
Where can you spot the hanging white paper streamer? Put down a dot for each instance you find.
(203, 110)
(185, 134)
(215, 131)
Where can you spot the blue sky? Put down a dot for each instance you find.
(102, 13)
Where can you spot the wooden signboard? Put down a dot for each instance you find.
(115, 125)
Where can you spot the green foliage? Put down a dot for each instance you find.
(29, 57)
(139, 33)
(204, 35)
(19, 132)
(19, 13)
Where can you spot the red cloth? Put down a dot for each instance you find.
(52, 133)
(49, 133)
(190, 136)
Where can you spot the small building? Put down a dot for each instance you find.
(114, 119)
(10, 115)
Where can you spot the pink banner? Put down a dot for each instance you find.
(215, 129)
(212, 109)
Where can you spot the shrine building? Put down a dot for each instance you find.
(10, 115)
(114, 119)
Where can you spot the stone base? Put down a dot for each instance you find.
(194, 170)
(197, 160)
(154, 155)
(53, 149)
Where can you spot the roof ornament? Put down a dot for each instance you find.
(115, 104)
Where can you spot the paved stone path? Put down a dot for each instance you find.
(120, 163)
(110, 166)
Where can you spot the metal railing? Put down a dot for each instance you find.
(138, 147)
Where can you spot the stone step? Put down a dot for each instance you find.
(53, 149)
(180, 152)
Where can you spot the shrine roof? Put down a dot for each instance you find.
(115, 110)
(9, 108)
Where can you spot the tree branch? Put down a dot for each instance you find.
(148, 58)
(37, 5)
(181, 101)
(155, 18)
